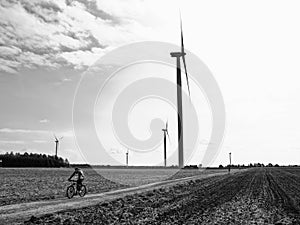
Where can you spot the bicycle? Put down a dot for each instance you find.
(72, 189)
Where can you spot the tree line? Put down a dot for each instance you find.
(249, 165)
(32, 160)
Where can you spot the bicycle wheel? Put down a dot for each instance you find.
(82, 191)
(70, 191)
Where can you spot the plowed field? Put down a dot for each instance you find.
(19, 185)
(255, 196)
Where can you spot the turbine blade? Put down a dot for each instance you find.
(167, 125)
(181, 33)
(168, 136)
(55, 137)
(183, 57)
(186, 75)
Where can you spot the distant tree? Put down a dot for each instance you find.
(221, 166)
(270, 165)
(276, 165)
(67, 162)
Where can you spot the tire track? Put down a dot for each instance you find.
(282, 189)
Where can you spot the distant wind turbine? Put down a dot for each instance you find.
(127, 157)
(57, 140)
(179, 96)
(165, 143)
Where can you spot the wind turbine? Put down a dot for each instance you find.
(127, 157)
(179, 96)
(165, 143)
(56, 144)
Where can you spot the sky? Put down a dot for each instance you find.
(252, 49)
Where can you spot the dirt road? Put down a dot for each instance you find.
(18, 213)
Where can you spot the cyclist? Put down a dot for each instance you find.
(80, 177)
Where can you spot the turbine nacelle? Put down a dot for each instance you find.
(177, 54)
(166, 132)
(57, 139)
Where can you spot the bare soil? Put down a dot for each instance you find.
(256, 196)
(20, 185)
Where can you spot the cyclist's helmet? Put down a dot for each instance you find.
(77, 169)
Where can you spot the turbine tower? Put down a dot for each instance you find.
(165, 143)
(56, 144)
(179, 97)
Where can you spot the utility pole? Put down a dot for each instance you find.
(165, 150)
(229, 162)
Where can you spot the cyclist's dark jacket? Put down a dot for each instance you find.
(79, 173)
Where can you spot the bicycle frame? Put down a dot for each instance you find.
(74, 183)
(77, 188)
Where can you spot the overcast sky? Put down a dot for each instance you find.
(251, 47)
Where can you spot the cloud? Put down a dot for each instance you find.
(25, 131)
(294, 148)
(68, 133)
(122, 9)
(115, 151)
(66, 80)
(80, 58)
(40, 141)
(54, 34)
(9, 51)
(11, 142)
(92, 8)
(7, 68)
(44, 121)
(62, 81)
